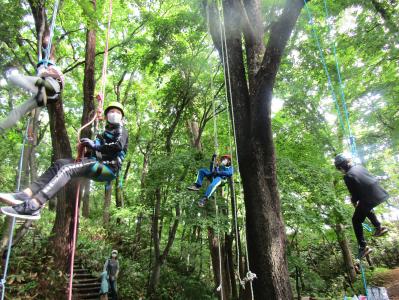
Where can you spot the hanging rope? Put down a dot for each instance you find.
(97, 116)
(11, 233)
(216, 150)
(351, 138)
(229, 99)
(47, 50)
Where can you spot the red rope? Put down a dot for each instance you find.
(97, 116)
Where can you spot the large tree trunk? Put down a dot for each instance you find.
(251, 107)
(63, 226)
(89, 84)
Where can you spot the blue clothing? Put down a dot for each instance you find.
(216, 177)
(104, 283)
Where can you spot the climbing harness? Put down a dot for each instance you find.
(98, 116)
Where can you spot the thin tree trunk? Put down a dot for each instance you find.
(107, 204)
(346, 252)
(85, 185)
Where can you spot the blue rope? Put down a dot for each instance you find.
(367, 227)
(352, 140)
(363, 276)
(329, 81)
(347, 130)
(47, 50)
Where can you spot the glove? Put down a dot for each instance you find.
(88, 143)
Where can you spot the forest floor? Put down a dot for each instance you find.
(390, 280)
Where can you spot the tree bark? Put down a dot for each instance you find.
(346, 252)
(251, 107)
(63, 226)
(89, 84)
(107, 204)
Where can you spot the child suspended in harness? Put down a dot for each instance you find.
(218, 171)
(46, 87)
(101, 163)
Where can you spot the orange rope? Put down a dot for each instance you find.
(97, 116)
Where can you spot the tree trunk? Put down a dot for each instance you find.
(107, 204)
(85, 185)
(346, 252)
(222, 284)
(160, 258)
(251, 107)
(63, 226)
(89, 84)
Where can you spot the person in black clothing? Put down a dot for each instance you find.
(101, 163)
(366, 194)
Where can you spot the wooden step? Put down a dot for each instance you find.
(88, 296)
(88, 280)
(86, 285)
(89, 290)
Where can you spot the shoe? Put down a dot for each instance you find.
(202, 201)
(364, 251)
(13, 198)
(380, 231)
(194, 188)
(27, 210)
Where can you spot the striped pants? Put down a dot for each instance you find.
(58, 175)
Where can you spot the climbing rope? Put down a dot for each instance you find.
(47, 50)
(229, 99)
(345, 127)
(96, 117)
(348, 132)
(11, 233)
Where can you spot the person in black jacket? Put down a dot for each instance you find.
(101, 163)
(366, 194)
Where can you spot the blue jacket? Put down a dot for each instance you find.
(221, 171)
(104, 283)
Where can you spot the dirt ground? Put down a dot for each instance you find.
(390, 280)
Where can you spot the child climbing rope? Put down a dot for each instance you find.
(216, 173)
(366, 194)
(101, 163)
(45, 87)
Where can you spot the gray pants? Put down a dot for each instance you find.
(28, 84)
(58, 175)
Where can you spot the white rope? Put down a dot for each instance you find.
(216, 144)
(250, 276)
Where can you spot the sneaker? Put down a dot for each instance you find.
(27, 210)
(202, 201)
(364, 251)
(13, 198)
(194, 188)
(380, 231)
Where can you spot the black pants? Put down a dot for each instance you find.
(112, 285)
(361, 212)
(58, 175)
